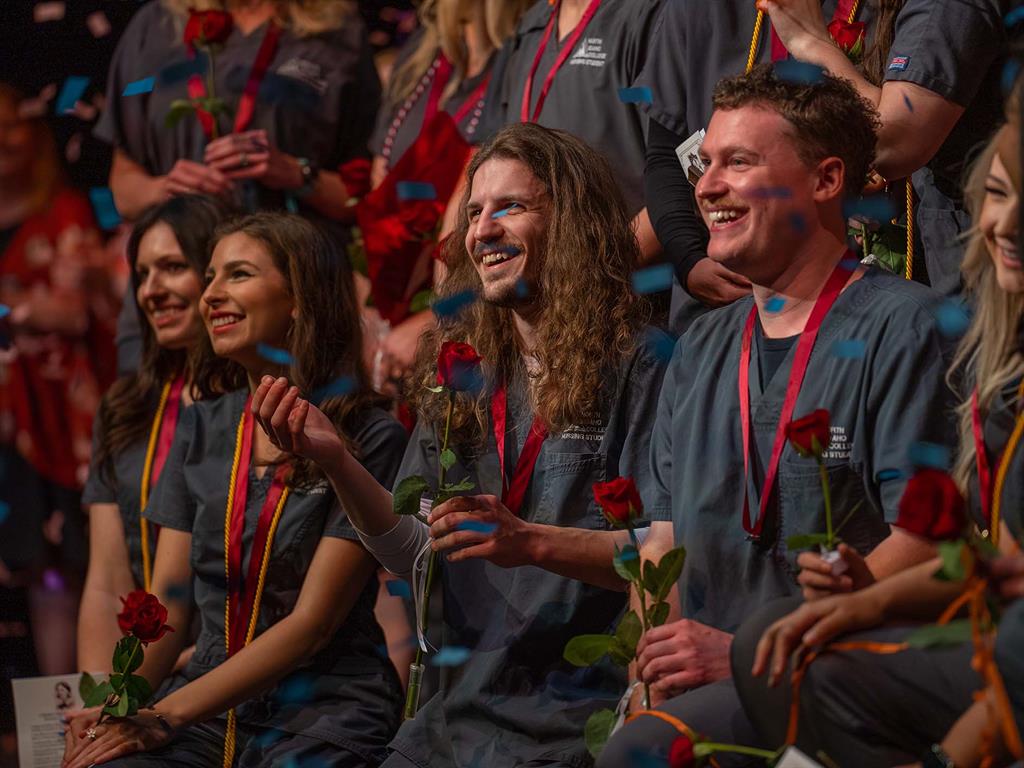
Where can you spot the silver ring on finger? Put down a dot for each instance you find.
(91, 734)
(244, 162)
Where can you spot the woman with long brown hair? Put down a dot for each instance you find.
(139, 415)
(288, 646)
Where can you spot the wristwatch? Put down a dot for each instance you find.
(309, 171)
(936, 757)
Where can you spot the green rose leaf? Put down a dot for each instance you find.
(175, 113)
(421, 301)
(650, 576)
(620, 653)
(669, 568)
(448, 458)
(598, 730)
(116, 681)
(86, 685)
(584, 650)
(956, 632)
(98, 695)
(139, 689)
(407, 496)
(121, 708)
(629, 630)
(657, 614)
(952, 554)
(806, 540)
(127, 655)
(627, 563)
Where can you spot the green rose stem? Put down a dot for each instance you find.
(826, 492)
(116, 695)
(639, 585)
(210, 91)
(412, 695)
(714, 746)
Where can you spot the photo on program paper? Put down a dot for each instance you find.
(689, 157)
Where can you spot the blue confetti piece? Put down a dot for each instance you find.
(522, 288)
(145, 85)
(775, 304)
(799, 72)
(398, 588)
(4, 311)
(797, 223)
(628, 554)
(659, 343)
(872, 208)
(275, 355)
(889, 474)
(1010, 72)
(952, 319)
(70, 92)
(268, 738)
(296, 690)
(103, 206)
(849, 349)
(639, 95)
(451, 656)
(849, 264)
(452, 306)
(415, 190)
(930, 455)
(179, 592)
(772, 193)
(5, 510)
(1014, 17)
(502, 213)
(476, 526)
(338, 388)
(180, 71)
(653, 279)
(908, 102)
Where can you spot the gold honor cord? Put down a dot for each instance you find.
(232, 723)
(147, 470)
(908, 269)
(1004, 465)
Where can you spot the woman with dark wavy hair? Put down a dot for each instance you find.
(288, 662)
(137, 419)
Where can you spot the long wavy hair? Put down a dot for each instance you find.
(325, 341)
(589, 317)
(442, 22)
(126, 412)
(876, 56)
(988, 356)
(303, 17)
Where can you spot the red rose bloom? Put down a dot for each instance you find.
(809, 435)
(619, 501)
(458, 367)
(207, 28)
(932, 506)
(143, 617)
(680, 754)
(849, 37)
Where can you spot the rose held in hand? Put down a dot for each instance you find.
(458, 367)
(143, 617)
(207, 28)
(932, 506)
(810, 435)
(619, 501)
(848, 36)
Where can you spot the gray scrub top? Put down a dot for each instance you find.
(516, 700)
(957, 49)
(124, 489)
(997, 427)
(881, 404)
(318, 98)
(412, 123)
(348, 694)
(584, 97)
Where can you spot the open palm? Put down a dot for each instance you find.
(293, 424)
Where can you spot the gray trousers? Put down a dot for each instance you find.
(1010, 659)
(858, 707)
(202, 746)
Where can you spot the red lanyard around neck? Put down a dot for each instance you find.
(168, 426)
(247, 104)
(833, 287)
(514, 492)
(565, 53)
(242, 597)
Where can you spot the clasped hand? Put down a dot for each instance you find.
(115, 738)
(480, 527)
(684, 654)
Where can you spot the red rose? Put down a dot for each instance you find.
(680, 754)
(932, 506)
(207, 28)
(355, 175)
(458, 367)
(619, 501)
(143, 617)
(849, 37)
(809, 435)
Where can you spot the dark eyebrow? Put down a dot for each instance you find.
(227, 267)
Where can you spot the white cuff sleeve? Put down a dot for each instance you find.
(396, 550)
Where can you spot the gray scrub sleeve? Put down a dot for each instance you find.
(97, 490)
(172, 505)
(644, 383)
(660, 503)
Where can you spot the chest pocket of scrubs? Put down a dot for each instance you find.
(802, 506)
(568, 497)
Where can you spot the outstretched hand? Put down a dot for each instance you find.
(480, 527)
(293, 424)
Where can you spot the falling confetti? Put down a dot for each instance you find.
(799, 72)
(5, 510)
(416, 190)
(797, 223)
(659, 343)
(653, 279)
(275, 355)
(103, 206)
(908, 102)
(70, 92)
(476, 526)
(451, 656)
(398, 588)
(145, 85)
(53, 11)
(952, 318)
(502, 213)
(98, 24)
(775, 305)
(930, 455)
(452, 306)
(889, 474)
(338, 388)
(640, 95)
(849, 349)
(295, 690)
(872, 208)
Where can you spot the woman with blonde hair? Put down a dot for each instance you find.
(432, 110)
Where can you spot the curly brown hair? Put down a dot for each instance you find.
(829, 118)
(589, 317)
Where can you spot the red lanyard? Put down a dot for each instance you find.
(981, 459)
(566, 52)
(833, 287)
(247, 104)
(471, 101)
(168, 426)
(513, 493)
(441, 78)
(243, 595)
